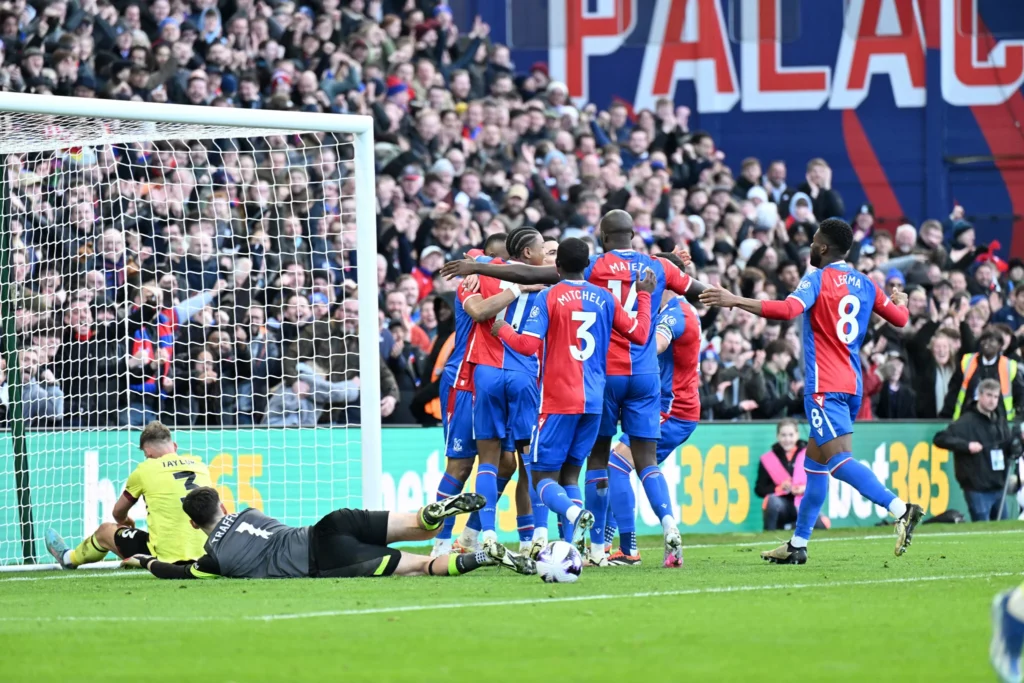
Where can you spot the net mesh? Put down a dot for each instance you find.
(196, 275)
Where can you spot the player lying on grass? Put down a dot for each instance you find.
(836, 302)
(344, 544)
(573, 322)
(163, 478)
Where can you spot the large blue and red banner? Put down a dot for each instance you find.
(916, 104)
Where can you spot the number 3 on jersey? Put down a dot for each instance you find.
(587, 342)
(630, 303)
(847, 327)
(517, 312)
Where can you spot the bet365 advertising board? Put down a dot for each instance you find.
(300, 475)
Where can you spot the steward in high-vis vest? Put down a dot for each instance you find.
(988, 363)
(426, 405)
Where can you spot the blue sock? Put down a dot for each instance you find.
(525, 525)
(487, 486)
(597, 502)
(623, 502)
(855, 473)
(576, 496)
(449, 486)
(540, 510)
(473, 523)
(1013, 627)
(814, 498)
(555, 497)
(502, 483)
(656, 489)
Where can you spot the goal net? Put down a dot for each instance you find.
(196, 266)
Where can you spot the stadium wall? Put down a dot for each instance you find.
(291, 475)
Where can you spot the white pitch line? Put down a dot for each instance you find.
(82, 574)
(518, 602)
(106, 574)
(846, 539)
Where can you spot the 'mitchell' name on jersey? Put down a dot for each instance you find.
(250, 545)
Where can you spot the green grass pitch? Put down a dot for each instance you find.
(854, 613)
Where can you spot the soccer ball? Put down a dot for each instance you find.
(559, 562)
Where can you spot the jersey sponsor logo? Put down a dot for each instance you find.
(804, 284)
(535, 312)
(246, 528)
(668, 320)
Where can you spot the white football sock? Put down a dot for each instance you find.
(66, 558)
(898, 508)
(798, 542)
(668, 523)
(572, 513)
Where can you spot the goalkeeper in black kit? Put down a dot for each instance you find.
(345, 543)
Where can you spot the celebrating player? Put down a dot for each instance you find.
(457, 397)
(677, 327)
(633, 388)
(838, 302)
(163, 478)
(575, 320)
(343, 544)
(505, 391)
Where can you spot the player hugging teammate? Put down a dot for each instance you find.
(626, 386)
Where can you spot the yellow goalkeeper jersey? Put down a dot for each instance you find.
(164, 482)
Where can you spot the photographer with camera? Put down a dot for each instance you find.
(985, 447)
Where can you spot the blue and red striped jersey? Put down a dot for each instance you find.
(491, 351)
(680, 366)
(454, 368)
(617, 271)
(838, 302)
(576, 321)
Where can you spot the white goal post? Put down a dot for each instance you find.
(55, 444)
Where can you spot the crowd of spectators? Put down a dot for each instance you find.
(212, 282)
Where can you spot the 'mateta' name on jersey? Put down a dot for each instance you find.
(617, 271)
(575, 320)
(838, 302)
(680, 366)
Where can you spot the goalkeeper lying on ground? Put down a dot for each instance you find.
(345, 543)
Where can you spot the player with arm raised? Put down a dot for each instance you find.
(836, 302)
(343, 544)
(633, 390)
(163, 478)
(678, 339)
(574, 321)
